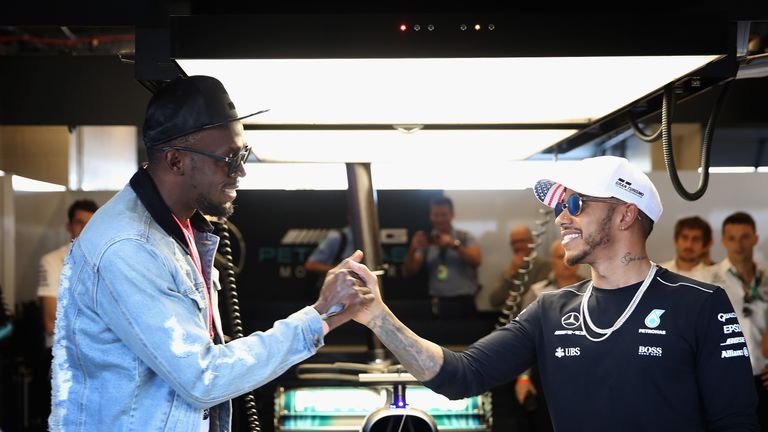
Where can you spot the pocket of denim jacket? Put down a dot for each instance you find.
(193, 288)
(194, 293)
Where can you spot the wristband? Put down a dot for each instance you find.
(326, 327)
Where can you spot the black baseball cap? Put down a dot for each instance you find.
(187, 105)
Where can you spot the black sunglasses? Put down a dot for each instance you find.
(575, 203)
(233, 161)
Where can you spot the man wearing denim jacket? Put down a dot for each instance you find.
(138, 343)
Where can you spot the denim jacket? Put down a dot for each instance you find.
(132, 349)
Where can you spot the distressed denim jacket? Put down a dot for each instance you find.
(132, 348)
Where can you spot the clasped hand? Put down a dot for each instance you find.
(351, 285)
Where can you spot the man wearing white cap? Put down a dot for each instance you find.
(634, 348)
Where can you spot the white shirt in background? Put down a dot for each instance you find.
(752, 315)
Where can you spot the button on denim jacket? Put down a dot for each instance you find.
(132, 350)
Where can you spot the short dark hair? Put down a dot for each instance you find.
(694, 223)
(646, 223)
(441, 201)
(87, 205)
(740, 218)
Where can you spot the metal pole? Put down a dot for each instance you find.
(364, 221)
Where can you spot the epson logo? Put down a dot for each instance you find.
(724, 316)
(731, 328)
(649, 351)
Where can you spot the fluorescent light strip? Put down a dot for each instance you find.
(441, 90)
(731, 170)
(402, 176)
(426, 146)
(24, 184)
(294, 176)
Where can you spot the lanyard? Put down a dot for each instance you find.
(187, 230)
(752, 293)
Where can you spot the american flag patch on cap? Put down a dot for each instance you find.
(548, 192)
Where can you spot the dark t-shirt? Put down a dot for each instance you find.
(678, 363)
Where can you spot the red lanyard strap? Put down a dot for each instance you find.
(189, 236)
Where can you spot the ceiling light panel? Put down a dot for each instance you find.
(520, 90)
(426, 146)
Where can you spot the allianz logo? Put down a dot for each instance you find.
(649, 351)
(744, 352)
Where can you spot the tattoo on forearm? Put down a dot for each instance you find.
(413, 352)
(628, 259)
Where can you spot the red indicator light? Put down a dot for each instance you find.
(403, 27)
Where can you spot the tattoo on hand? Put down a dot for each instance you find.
(628, 259)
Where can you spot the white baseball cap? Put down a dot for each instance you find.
(605, 177)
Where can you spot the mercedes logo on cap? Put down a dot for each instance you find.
(571, 320)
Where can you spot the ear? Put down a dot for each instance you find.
(629, 216)
(173, 160)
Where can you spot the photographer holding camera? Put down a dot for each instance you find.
(451, 258)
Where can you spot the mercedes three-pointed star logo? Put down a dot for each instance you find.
(571, 320)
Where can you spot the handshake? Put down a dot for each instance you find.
(350, 291)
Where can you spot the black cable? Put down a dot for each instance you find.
(643, 135)
(706, 147)
(225, 249)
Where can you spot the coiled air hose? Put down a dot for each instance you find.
(230, 282)
(519, 287)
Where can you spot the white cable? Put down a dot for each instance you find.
(584, 308)
(401, 424)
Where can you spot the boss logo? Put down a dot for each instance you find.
(649, 351)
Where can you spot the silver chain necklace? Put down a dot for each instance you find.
(584, 308)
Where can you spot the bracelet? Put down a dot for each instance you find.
(523, 378)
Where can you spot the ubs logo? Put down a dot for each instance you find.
(569, 351)
(571, 320)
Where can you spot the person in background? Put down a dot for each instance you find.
(528, 384)
(451, 258)
(693, 240)
(78, 215)
(521, 241)
(336, 245)
(636, 348)
(746, 284)
(138, 343)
